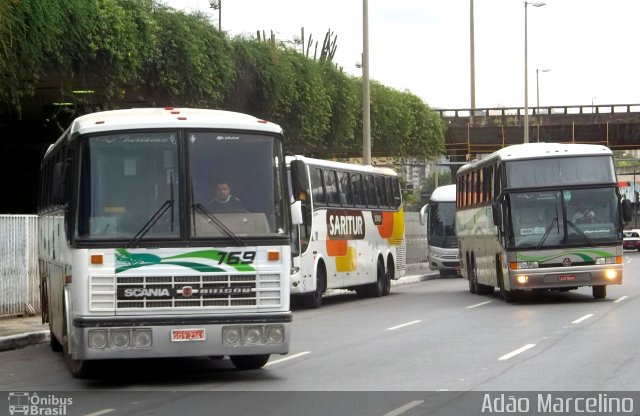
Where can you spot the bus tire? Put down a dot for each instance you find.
(80, 369)
(55, 345)
(387, 277)
(473, 288)
(600, 291)
(313, 300)
(249, 362)
(376, 289)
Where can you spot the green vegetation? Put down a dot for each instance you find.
(142, 53)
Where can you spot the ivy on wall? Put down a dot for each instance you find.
(141, 51)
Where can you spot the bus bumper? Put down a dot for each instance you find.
(559, 278)
(175, 336)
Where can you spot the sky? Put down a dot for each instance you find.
(590, 47)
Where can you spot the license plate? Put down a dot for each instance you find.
(565, 277)
(179, 335)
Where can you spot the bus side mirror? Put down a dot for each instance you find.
(627, 211)
(296, 213)
(497, 214)
(423, 214)
(298, 180)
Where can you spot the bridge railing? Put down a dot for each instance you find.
(519, 111)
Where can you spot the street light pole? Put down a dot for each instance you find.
(526, 72)
(217, 5)
(366, 102)
(472, 58)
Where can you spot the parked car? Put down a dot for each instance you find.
(631, 240)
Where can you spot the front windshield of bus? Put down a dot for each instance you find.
(235, 185)
(564, 217)
(128, 187)
(442, 227)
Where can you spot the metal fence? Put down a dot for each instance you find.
(19, 278)
(19, 281)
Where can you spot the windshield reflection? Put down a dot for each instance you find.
(563, 218)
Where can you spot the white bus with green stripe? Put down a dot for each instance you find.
(518, 222)
(135, 262)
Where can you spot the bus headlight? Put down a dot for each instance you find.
(522, 279)
(523, 265)
(231, 335)
(611, 274)
(142, 338)
(253, 335)
(119, 338)
(97, 339)
(606, 260)
(275, 334)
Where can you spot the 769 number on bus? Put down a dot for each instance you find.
(237, 257)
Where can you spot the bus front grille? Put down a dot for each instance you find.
(185, 292)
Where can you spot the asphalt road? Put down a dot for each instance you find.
(394, 352)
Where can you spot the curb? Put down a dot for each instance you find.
(13, 342)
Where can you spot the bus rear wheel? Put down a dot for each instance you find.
(600, 291)
(249, 362)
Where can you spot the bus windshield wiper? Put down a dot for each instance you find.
(214, 220)
(549, 227)
(151, 222)
(548, 231)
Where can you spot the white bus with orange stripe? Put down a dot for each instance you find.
(352, 234)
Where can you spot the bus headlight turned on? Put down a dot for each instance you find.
(522, 279)
(611, 274)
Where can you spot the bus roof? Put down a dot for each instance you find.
(540, 150)
(446, 193)
(168, 117)
(342, 165)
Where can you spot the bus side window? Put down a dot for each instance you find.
(331, 187)
(317, 187)
(358, 190)
(369, 186)
(346, 197)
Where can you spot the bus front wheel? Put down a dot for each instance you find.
(600, 291)
(249, 362)
(78, 368)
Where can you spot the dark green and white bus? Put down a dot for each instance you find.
(518, 225)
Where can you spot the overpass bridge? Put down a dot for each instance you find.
(483, 130)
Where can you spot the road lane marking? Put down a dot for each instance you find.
(287, 358)
(516, 352)
(404, 408)
(479, 304)
(582, 318)
(620, 299)
(100, 412)
(403, 325)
